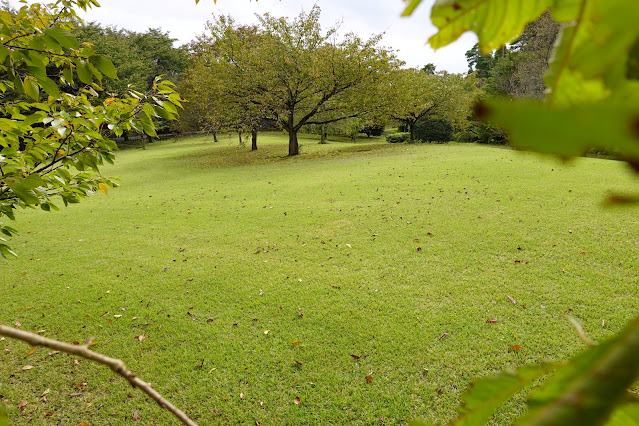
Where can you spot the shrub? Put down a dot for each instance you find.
(374, 130)
(397, 137)
(433, 130)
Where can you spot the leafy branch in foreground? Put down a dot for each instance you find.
(54, 130)
(592, 102)
(116, 365)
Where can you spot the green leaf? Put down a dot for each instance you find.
(31, 88)
(4, 417)
(411, 7)
(63, 37)
(105, 66)
(496, 22)
(626, 415)
(567, 131)
(486, 395)
(84, 72)
(585, 391)
(45, 82)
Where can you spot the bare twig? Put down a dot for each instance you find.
(115, 364)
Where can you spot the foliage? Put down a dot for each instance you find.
(417, 94)
(374, 129)
(300, 75)
(434, 130)
(592, 101)
(54, 124)
(398, 137)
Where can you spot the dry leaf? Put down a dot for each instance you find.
(135, 415)
(76, 362)
(18, 324)
(32, 351)
(106, 313)
(515, 348)
(297, 362)
(141, 337)
(46, 391)
(443, 336)
(369, 379)
(354, 356)
(512, 300)
(43, 398)
(54, 353)
(117, 316)
(295, 342)
(267, 331)
(241, 395)
(492, 321)
(27, 367)
(22, 404)
(297, 400)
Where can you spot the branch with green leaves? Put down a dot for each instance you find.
(54, 128)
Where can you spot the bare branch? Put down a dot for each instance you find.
(116, 365)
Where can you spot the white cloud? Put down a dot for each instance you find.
(183, 19)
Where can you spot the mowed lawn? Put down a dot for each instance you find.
(358, 278)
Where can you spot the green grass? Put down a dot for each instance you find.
(383, 248)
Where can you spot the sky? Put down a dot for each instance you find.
(183, 19)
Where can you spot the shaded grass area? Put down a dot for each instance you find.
(356, 263)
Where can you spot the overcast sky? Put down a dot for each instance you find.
(183, 19)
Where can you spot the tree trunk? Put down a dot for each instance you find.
(323, 135)
(254, 140)
(215, 137)
(411, 129)
(125, 134)
(293, 145)
(239, 135)
(144, 136)
(354, 137)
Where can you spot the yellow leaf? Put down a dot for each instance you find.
(295, 342)
(109, 101)
(104, 188)
(32, 351)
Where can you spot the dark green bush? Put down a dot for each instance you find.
(434, 130)
(398, 137)
(374, 130)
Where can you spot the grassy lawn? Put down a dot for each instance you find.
(255, 279)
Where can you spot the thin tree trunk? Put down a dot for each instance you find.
(125, 134)
(254, 140)
(144, 137)
(239, 134)
(323, 135)
(215, 137)
(293, 145)
(411, 129)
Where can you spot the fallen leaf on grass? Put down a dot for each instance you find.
(106, 313)
(369, 379)
(54, 353)
(216, 412)
(492, 321)
(419, 249)
(512, 300)
(295, 342)
(141, 337)
(18, 324)
(515, 348)
(46, 392)
(32, 351)
(43, 398)
(439, 392)
(267, 331)
(73, 395)
(443, 336)
(135, 415)
(22, 403)
(354, 356)
(241, 395)
(27, 367)
(210, 320)
(297, 400)
(297, 362)
(76, 362)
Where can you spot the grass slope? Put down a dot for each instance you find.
(356, 258)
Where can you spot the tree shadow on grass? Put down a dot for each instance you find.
(237, 155)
